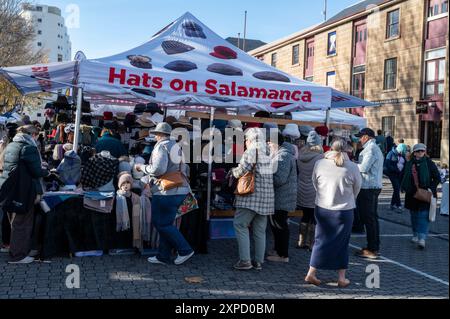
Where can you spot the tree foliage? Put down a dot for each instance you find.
(16, 37)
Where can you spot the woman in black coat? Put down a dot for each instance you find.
(24, 148)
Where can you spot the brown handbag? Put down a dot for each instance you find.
(246, 183)
(421, 194)
(171, 180)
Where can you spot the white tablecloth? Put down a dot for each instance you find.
(444, 202)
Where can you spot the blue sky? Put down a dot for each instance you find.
(114, 26)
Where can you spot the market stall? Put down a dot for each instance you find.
(185, 65)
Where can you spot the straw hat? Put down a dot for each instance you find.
(183, 121)
(145, 120)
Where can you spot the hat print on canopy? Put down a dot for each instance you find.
(193, 30)
(272, 76)
(140, 61)
(225, 69)
(181, 66)
(225, 53)
(175, 47)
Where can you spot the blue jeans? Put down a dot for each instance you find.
(164, 210)
(420, 223)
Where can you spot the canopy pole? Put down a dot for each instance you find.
(78, 119)
(211, 134)
(327, 123)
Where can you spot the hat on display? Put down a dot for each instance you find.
(125, 177)
(62, 103)
(121, 115)
(108, 116)
(236, 124)
(366, 131)
(141, 135)
(68, 147)
(314, 139)
(170, 120)
(419, 147)
(145, 120)
(69, 128)
(130, 120)
(85, 106)
(162, 128)
(305, 129)
(139, 108)
(322, 131)
(183, 121)
(291, 130)
(152, 108)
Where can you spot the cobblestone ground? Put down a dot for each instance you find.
(405, 272)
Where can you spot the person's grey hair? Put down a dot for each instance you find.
(28, 129)
(340, 147)
(255, 135)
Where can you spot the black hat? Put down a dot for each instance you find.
(139, 109)
(153, 108)
(366, 131)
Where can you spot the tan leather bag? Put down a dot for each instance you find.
(246, 183)
(421, 194)
(171, 180)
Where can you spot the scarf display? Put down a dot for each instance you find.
(98, 171)
(423, 172)
(122, 214)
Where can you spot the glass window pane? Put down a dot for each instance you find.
(436, 9)
(441, 70)
(434, 54)
(444, 6)
(430, 89)
(441, 88)
(431, 71)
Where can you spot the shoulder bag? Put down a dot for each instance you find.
(421, 194)
(246, 183)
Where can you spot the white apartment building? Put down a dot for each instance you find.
(51, 32)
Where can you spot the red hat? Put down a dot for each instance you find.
(224, 53)
(322, 131)
(108, 116)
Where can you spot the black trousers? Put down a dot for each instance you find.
(6, 230)
(280, 229)
(308, 215)
(367, 207)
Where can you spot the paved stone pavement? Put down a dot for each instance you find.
(405, 272)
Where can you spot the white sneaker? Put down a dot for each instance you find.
(154, 260)
(26, 260)
(415, 240)
(422, 244)
(182, 259)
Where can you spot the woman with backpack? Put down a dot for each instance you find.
(393, 168)
(23, 150)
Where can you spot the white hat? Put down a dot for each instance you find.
(292, 130)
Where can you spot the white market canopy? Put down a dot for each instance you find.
(184, 64)
(336, 117)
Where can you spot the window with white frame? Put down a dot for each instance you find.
(393, 24)
(435, 73)
(388, 125)
(390, 74)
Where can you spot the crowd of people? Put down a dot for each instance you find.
(336, 185)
